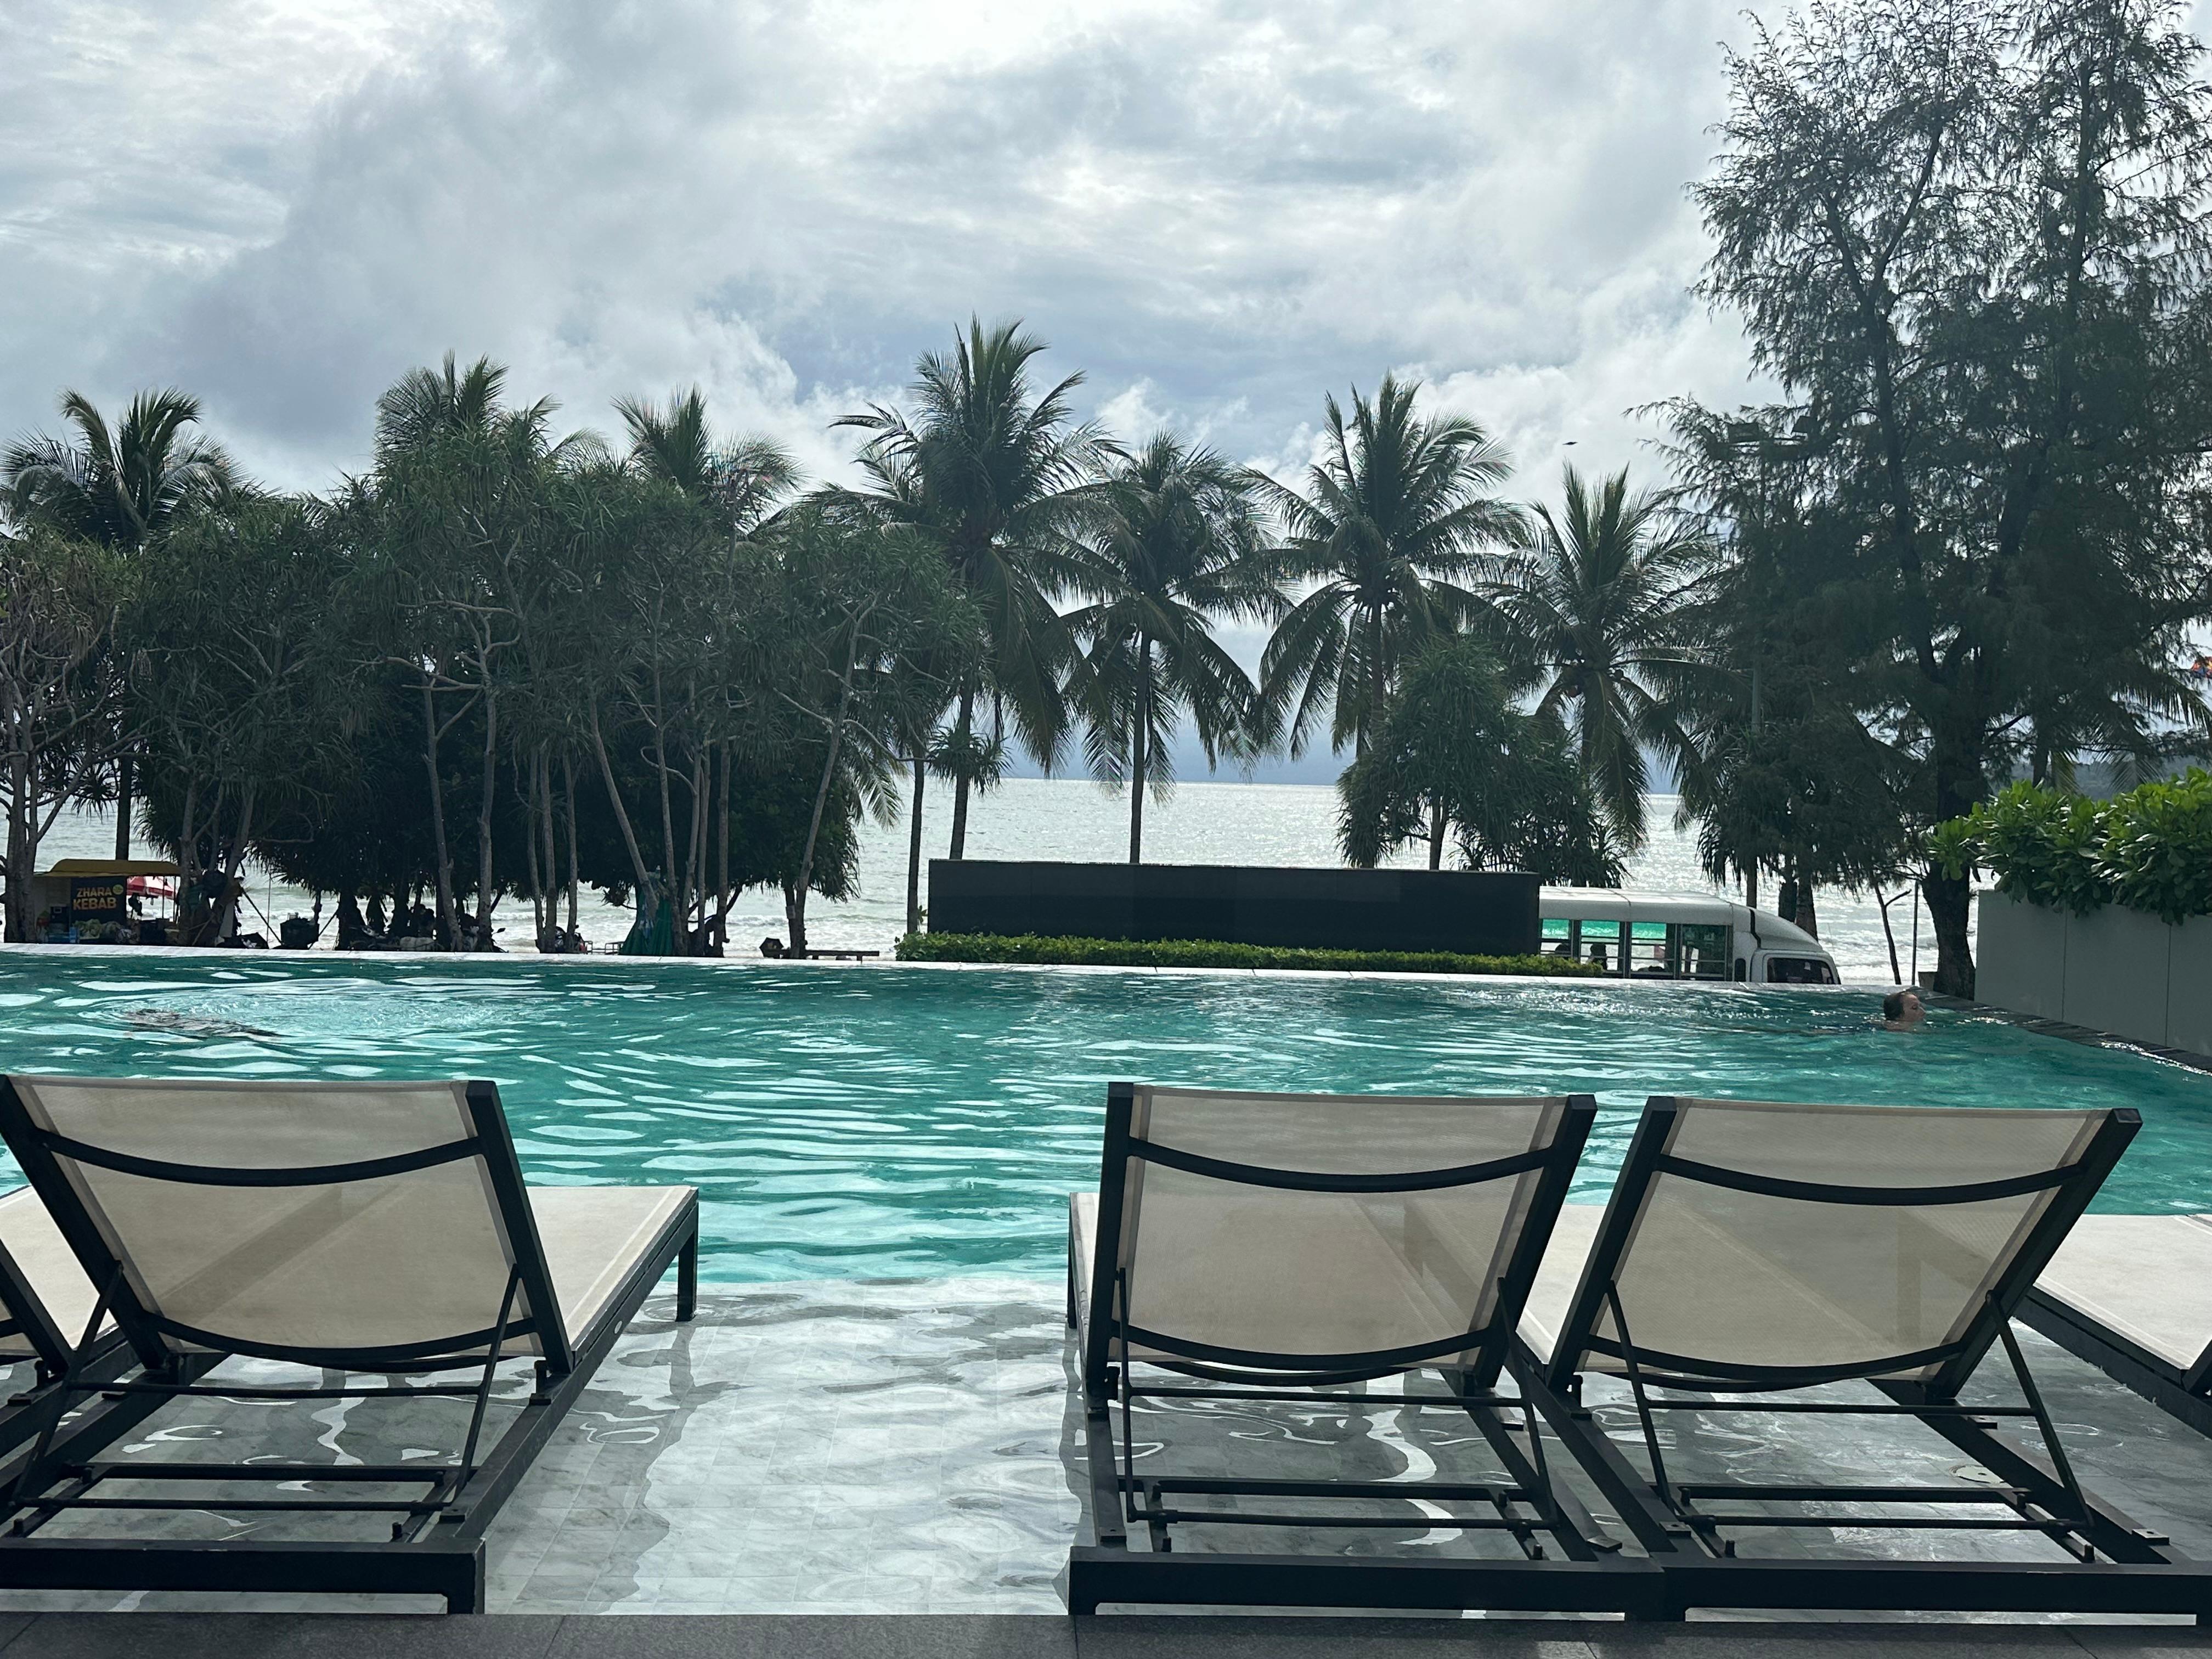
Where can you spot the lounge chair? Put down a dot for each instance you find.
(45, 1301)
(379, 1228)
(1753, 1248)
(2132, 1295)
(1273, 1247)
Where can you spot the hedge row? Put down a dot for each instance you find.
(2150, 849)
(1215, 953)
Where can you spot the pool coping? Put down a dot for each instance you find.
(210, 953)
(1033, 1636)
(2088, 1035)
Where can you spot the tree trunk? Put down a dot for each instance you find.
(1139, 757)
(795, 907)
(1751, 886)
(723, 896)
(568, 788)
(1806, 916)
(233, 861)
(1436, 834)
(123, 780)
(962, 728)
(533, 866)
(1889, 937)
(914, 838)
(446, 923)
(482, 939)
(1957, 786)
(621, 815)
(1948, 901)
(794, 919)
(22, 847)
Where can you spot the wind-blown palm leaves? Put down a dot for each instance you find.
(117, 486)
(1174, 545)
(1587, 607)
(1395, 519)
(997, 474)
(120, 488)
(743, 481)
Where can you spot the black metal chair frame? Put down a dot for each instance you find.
(1590, 1574)
(23, 1413)
(2184, 1392)
(2117, 1567)
(436, 1546)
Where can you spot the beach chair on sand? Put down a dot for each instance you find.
(377, 1229)
(2132, 1295)
(1755, 1249)
(1254, 1248)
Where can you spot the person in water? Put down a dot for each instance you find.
(1902, 1011)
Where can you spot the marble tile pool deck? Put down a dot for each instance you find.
(904, 1454)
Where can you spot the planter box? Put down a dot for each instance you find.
(2116, 969)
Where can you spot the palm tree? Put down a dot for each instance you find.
(120, 487)
(1589, 603)
(743, 481)
(1175, 543)
(997, 475)
(1396, 515)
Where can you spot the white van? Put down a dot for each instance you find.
(1681, 936)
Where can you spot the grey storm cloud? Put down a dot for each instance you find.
(1218, 210)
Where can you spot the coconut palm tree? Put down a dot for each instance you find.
(121, 486)
(1589, 603)
(1395, 517)
(997, 474)
(743, 481)
(1174, 544)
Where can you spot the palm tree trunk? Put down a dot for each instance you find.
(963, 729)
(123, 780)
(1138, 752)
(914, 838)
(1436, 834)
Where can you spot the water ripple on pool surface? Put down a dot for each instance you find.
(887, 1121)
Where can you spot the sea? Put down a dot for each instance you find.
(1069, 818)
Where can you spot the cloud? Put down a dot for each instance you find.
(1219, 209)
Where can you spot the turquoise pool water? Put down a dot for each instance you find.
(883, 1121)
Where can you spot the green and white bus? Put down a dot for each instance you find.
(1681, 936)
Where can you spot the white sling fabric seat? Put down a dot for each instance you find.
(50, 1274)
(1766, 1240)
(1314, 1231)
(2133, 1294)
(319, 1220)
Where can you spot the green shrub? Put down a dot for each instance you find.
(2155, 851)
(2150, 849)
(1033, 948)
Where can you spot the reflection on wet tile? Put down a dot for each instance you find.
(912, 1446)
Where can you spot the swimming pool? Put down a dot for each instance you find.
(880, 1122)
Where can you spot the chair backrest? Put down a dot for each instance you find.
(330, 1223)
(1774, 1245)
(1322, 1235)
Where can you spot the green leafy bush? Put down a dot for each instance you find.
(2155, 851)
(1033, 948)
(2150, 849)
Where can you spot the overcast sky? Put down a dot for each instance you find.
(1219, 209)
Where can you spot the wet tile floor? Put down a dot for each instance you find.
(846, 1447)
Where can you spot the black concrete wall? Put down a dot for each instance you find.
(1482, 913)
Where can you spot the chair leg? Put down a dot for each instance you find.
(687, 1279)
